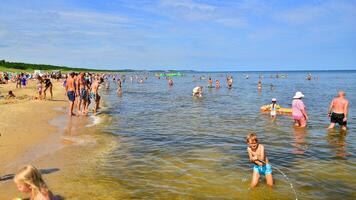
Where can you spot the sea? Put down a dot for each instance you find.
(170, 145)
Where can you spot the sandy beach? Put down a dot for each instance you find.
(36, 132)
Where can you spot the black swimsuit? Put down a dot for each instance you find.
(338, 118)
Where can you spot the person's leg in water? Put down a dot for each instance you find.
(255, 178)
(331, 126)
(269, 180)
(296, 123)
(97, 101)
(303, 122)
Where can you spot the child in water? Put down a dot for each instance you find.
(257, 155)
(274, 107)
(29, 180)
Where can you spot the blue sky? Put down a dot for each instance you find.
(204, 35)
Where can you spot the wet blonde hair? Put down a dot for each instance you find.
(32, 177)
(251, 137)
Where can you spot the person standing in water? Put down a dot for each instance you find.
(299, 112)
(274, 108)
(82, 92)
(338, 111)
(217, 84)
(198, 91)
(210, 83)
(259, 85)
(94, 93)
(257, 155)
(170, 82)
(229, 81)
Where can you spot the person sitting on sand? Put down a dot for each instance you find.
(257, 156)
(299, 112)
(10, 95)
(70, 91)
(29, 180)
(338, 111)
(217, 84)
(198, 91)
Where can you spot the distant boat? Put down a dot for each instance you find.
(170, 74)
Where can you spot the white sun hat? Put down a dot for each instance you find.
(274, 99)
(298, 95)
(195, 90)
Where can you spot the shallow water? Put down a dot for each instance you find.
(173, 146)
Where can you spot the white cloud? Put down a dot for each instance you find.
(93, 17)
(187, 4)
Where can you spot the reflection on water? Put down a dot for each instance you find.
(338, 143)
(173, 146)
(300, 143)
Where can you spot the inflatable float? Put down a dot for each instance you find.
(280, 110)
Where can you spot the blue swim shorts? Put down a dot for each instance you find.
(83, 94)
(71, 95)
(265, 169)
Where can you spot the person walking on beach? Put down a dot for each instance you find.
(257, 156)
(338, 111)
(48, 85)
(299, 112)
(70, 91)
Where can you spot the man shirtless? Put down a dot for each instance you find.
(70, 91)
(94, 93)
(82, 93)
(338, 111)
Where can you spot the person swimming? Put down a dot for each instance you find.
(217, 84)
(198, 91)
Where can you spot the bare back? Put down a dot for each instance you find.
(70, 86)
(339, 105)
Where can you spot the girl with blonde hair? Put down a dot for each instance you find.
(29, 180)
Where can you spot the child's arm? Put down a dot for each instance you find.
(253, 159)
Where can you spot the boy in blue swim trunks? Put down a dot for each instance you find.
(257, 155)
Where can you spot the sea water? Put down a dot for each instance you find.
(174, 146)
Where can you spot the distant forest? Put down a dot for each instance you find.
(27, 66)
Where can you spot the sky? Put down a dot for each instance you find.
(205, 35)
